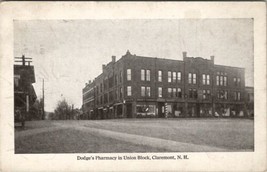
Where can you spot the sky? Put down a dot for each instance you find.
(69, 53)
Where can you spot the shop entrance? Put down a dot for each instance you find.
(129, 110)
(161, 110)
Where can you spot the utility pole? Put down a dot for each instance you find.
(43, 116)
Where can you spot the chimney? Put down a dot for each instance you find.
(103, 67)
(184, 55)
(113, 59)
(89, 81)
(212, 59)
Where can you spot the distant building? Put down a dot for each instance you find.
(137, 86)
(250, 101)
(24, 93)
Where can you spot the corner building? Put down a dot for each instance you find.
(137, 86)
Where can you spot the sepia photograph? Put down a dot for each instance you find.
(133, 86)
(183, 85)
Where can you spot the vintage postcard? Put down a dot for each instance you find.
(133, 86)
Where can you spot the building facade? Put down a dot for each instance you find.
(250, 101)
(137, 86)
(24, 93)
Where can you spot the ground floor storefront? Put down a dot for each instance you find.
(161, 109)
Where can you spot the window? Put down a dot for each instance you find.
(16, 78)
(235, 82)
(195, 93)
(203, 79)
(142, 74)
(148, 75)
(121, 92)
(217, 80)
(208, 79)
(190, 78)
(169, 92)
(194, 78)
(225, 80)
(148, 91)
(238, 82)
(115, 79)
(208, 94)
(179, 76)
(160, 91)
(129, 91)
(238, 95)
(143, 91)
(221, 80)
(173, 76)
(179, 92)
(129, 74)
(204, 94)
(169, 76)
(190, 93)
(121, 77)
(223, 94)
(174, 92)
(160, 76)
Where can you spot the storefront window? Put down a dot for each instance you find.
(145, 110)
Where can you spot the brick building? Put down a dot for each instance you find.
(137, 86)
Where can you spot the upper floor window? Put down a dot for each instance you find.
(160, 76)
(16, 78)
(206, 94)
(221, 79)
(194, 78)
(121, 92)
(173, 76)
(217, 80)
(189, 78)
(143, 91)
(195, 93)
(208, 79)
(169, 76)
(179, 76)
(169, 92)
(159, 91)
(222, 94)
(192, 93)
(142, 74)
(129, 91)
(148, 92)
(121, 77)
(179, 92)
(174, 92)
(205, 79)
(238, 82)
(237, 95)
(129, 74)
(225, 80)
(148, 75)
